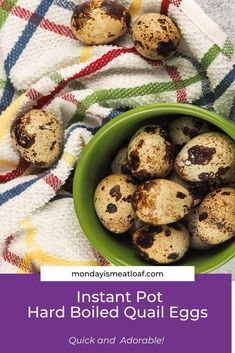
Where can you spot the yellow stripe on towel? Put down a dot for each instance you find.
(30, 233)
(35, 254)
(7, 116)
(135, 8)
(42, 258)
(85, 54)
(69, 158)
(7, 164)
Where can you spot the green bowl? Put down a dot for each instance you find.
(94, 165)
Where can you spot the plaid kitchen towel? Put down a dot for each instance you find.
(43, 66)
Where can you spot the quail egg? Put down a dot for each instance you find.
(120, 162)
(197, 190)
(192, 224)
(205, 157)
(226, 179)
(99, 21)
(155, 36)
(216, 216)
(38, 137)
(149, 153)
(184, 128)
(162, 244)
(161, 201)
(136, 225)
(112, 200)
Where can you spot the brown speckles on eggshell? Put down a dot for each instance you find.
(115, 192)
(180, 195)
(134, 160)
(165, 49)
(112, 202)
(173, 256)
(183, 128)
(202, 216)
(111, 208)
(168, 232)
(99, 21)
(205, 157)
(38, 137)
(200, 154)
(160, 244)
(155, 36)
(216, 220)
(120, 163)
(155, 206)
(149, 153)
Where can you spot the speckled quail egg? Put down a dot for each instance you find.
(162, 244)
(38, 137)
(120, 162)
(192, 224)
(161, 201)
(136, 225)
(184, 128)
(216, 216)
(155, 36)
(205, 157)
(99, 21)
(149, 153)
(226, 179)
(112, 200)
(197, 190)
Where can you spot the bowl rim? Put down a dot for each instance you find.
(165, 108)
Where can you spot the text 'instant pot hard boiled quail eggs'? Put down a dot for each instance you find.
(113, 197)
(216, 216)
(161, 201)
(205, 157)
(38, 137)
(162, 244)
(99, 21)
(149, 153)
(155, 36)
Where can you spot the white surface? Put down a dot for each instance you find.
(222, 12)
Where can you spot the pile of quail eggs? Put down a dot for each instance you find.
(171, 188)
(155, 36)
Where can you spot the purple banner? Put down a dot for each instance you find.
(115, 317)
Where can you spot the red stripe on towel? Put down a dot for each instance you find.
(88, 70)
(177, 79)
(21, 168)
(33, 94)
(52, 180)
(166, 3)
(69, 97)
(42, 22)
(14, 259)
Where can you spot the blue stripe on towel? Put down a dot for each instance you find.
(211, 97)
(18, 189)
(19, 47)
(66, 4)
(7, 95)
